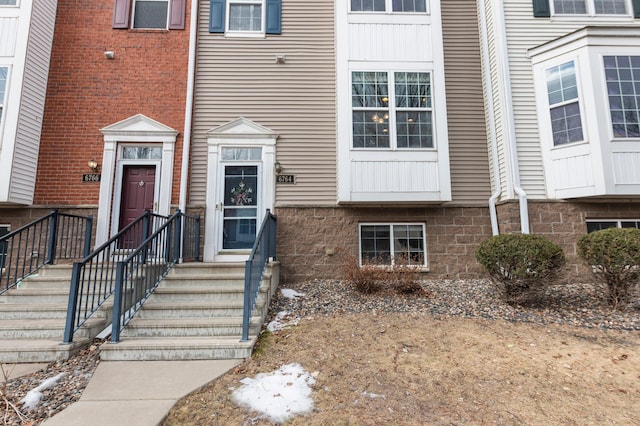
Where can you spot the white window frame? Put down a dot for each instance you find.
(392, 111)
(578, 99)
(235, 33)
(392, 239)
(591, 11)
(389, 9)
(133, 14)
(3, 100)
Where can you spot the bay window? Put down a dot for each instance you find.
(564, 106)
(622, 75)
(385, 243)
(391, 110)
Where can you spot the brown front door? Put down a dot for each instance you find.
(138, 192)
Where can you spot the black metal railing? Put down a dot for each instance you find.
(93, 279)
(139, 274)
(44, 241)
(263, 249)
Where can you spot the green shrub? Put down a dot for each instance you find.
(614, 255)
(521, 265)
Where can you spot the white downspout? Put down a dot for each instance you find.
(503, 55)
(188, 112)
(486, 81)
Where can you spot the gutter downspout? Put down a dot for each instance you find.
(486, 81)
(188, 113)
(503, 53)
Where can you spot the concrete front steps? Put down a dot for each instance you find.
(32, 319)
(195, 313)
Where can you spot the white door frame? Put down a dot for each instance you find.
(239, 133)
(138, 130)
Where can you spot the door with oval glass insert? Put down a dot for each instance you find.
(240, 206)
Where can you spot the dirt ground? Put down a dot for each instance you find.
(410, 369)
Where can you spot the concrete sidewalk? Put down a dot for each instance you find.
(138, 392)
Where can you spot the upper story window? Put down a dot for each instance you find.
(591, 7)
(4, 72)
(389, 5)
(8, 2)
(564, 105)
(245, 17)
(149, 14)
(622, 75)
(391, 110)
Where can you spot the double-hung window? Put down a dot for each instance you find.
(385, 243)
(622, 75)
(249, 18)
(419, 6)
(564, 104)
(150, 14)
(391, 110)
(591, 7)
(4, 73)
(8, 2)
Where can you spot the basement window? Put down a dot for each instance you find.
(382, 243)
(597, 225)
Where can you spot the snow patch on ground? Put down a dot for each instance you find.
(277, 396)
(282, 320)
(290, 293)
(33, 397)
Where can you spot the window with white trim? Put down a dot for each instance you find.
(150, 14)
(8, 2)
(391, 110)
(411, 6)
(592, 7)
(622, 75)
(597, 225)
(381, 243)
(564, 105)
(4, 73)
(245, 15)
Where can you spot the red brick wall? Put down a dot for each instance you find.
(87, 92)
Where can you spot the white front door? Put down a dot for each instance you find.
(239, 207)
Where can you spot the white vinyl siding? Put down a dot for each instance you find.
(239, 77)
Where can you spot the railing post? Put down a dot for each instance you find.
(117, 303)
(73, 303)
(178, 238)
(197, 238)
(145, 233)
(167, 248)
(87, 236)
(53, 238)
(273, 228)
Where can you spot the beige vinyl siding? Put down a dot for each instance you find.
(470, 181)
(239, 77)
(34, 87)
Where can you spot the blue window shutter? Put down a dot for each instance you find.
(541, 9)
(274, 19)
(121, 11)
(176, 17)
(216, 16)
(636, 8)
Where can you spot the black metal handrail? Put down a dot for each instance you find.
(93, 279)
(263, 248)
(138, 275)
(42, 242)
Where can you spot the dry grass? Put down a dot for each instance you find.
(441, 372)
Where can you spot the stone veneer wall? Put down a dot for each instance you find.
(307, 236)
(564, 222)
